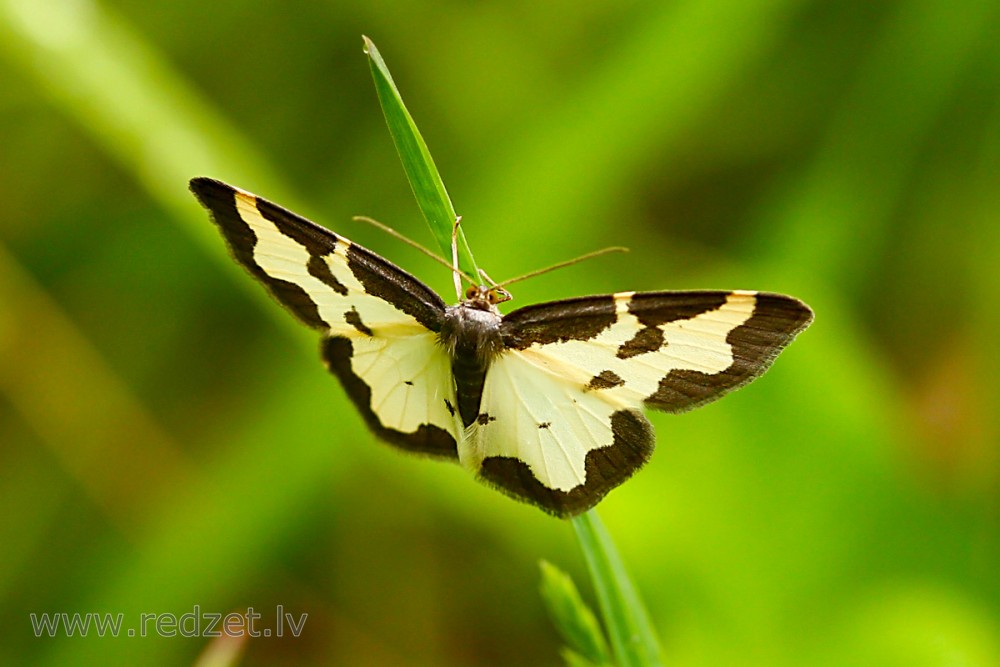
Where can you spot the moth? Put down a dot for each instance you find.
(543, 403)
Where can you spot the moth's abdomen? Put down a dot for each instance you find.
(472, 338)
(470, 376)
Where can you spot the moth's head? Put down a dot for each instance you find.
(484, 297)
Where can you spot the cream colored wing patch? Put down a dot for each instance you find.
(402, 386)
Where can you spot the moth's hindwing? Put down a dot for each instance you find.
(560, 423)
(380, 323)
(542, 438)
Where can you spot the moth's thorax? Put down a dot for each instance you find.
(472, 329)
(471, 334)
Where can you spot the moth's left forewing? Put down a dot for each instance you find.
(561, 424)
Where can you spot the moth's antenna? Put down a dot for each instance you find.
(392, 232)
(485, 276)
(561, 265)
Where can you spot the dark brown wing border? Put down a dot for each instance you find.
(607, 468)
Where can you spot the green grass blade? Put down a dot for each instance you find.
(573, 618)
(428, 188)
(633, 639)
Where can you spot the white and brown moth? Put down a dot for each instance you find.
(543, 403)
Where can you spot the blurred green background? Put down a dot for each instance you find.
(168, 437)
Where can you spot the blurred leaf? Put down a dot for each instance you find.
(223, 651)
(573, 168)
(912, 624)
(573, 618)
(126, 94)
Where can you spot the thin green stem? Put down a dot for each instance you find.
(633, 639)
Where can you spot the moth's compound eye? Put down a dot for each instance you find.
(471, 291)
(499, 295)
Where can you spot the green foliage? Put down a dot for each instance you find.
(573, 618)
(168, 438)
